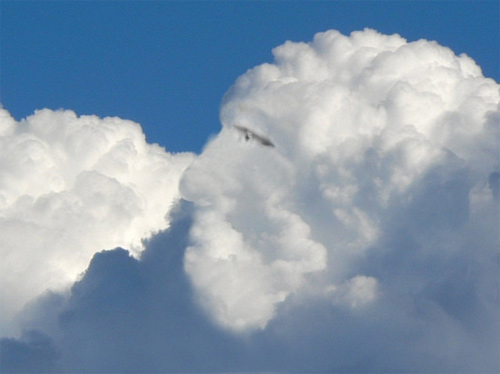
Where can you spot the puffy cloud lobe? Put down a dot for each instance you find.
(380, 146)
(355, 292)
(69, 187)
(249, 251)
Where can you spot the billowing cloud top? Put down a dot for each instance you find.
(372, 137)
(69, 187)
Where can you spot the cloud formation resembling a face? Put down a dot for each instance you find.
(345, 219)
(71, 186)
(374, 140)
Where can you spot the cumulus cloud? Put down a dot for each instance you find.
(71, 186)
(353, 226)
(374, 138)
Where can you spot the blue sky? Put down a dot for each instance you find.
(166, 65)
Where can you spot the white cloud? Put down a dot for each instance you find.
(364, 239)
(355, 292)
(373, 136)
(69, 187)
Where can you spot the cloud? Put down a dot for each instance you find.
(364, 240)
(132, 315)
(33, 353)
(71, 186)
(138, 315)
(375, 138)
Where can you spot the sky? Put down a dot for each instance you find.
(249, 187)
(167, 64)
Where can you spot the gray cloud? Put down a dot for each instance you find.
(34, 352)
(129, 315)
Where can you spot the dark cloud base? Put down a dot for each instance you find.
(33, 353)
(138, 316)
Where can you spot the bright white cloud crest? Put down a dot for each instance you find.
(372, 135)
(71, 186)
